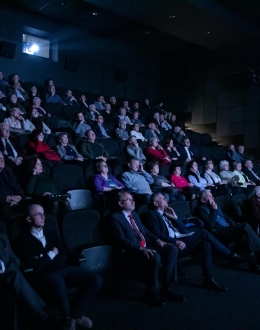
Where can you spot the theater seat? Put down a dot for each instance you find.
(68, 177)
(81, 199)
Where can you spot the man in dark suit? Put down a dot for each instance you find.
(225, 229)
(43, 251)
(187, 153)
(141, 249)
(250, 172)
(100, 128)
(152, 132)
(164, 223)
(14, 285)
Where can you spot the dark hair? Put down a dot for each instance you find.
(35, 133)
(31, 163)
(190, 163)
(78, 112)
(151, 165)
(97, 166)
(167, 142)
(174, 166)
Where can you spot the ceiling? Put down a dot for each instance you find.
(159, 26)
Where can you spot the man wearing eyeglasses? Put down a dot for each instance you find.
(143, 251)
(42, 250)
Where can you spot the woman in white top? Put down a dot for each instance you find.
(243, 181)
(123, 116)
(230, 177)
(17, 123)
(135, 132)
(221, 186)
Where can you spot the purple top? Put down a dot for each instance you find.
(100, 182)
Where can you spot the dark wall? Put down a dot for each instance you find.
(98, 59)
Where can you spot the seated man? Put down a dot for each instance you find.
(126, 107)
(52, 97)
(100, 128)
(10, 192)
(100, 104)
(122, 116)
(234, 156)
(144, 250)
(138, 180)
(91, 149)
(164, 223)
(80, 126)
(20, 92)
(109, 115)
(90, 114)
(121, 132)
(69, 99)
(178, 135)
(187, 154)
(113, 104)
(14, 285)
(136, 120)
(152, 132)
(12, 152)
(134, 151)
(225, 229)
(43, 251)
(250, 172)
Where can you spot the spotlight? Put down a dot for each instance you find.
(34, 48)
(94, 14)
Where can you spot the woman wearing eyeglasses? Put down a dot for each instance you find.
(105, 182)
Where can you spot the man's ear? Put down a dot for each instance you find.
(120, 203)
(28, 219)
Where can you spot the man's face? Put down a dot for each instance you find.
(108, 107)
(134, 165)
(17, 85)
(186, 143)
(122, 112)
(69, 93)
(136, 105)
(177, 129)
(160, 202)
(152, 126)
(241, 149)
(249, 164)
(136, 127)
(127, 202)
(91, 136)
(2, 162)
(15, 78)
(100, 119)
(125, 104)
(101, 99)
(52, 89)
(208, 198)
(92, 107)
(122, 125)
(36, 217)
(35, 113)
(161, 117)
(135, 115)
(80, 116)
(50, 83)
(113, 100)
(13, 98)
(132, 140)
(1, 75)
(5, 132)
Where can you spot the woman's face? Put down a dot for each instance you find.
(155, 169)
(40, 137)
(38, 166)
(35, 113)
(210, 165)
(33, 89)
(16, 113)
(13, 98)
(156, 115)
(103, 168)
(194, 166)
(64, 140)
(83, 98)
(154, 143)
(171, 144)
(177, 171)
(238, 166)
(225, 167)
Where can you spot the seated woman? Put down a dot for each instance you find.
(226, 174)
(17, 123)
(136, 120)
(105, 183)
(156, 119)
(41, 148)
(135, 132)
(161, 184)
(37, 105)
(33, 93)
(66, 151)
(222, 186)
(185, 187)
(243, 181)
(164, 123)
(38, 123)
(171, 150)
(195, 178)
(14, 103)
(124, 117)
(156, 151)
(41, 186)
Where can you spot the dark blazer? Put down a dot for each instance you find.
(209, 217)
(97, 130)
(122, 234)
(9, 259)
(250, 176)
(20, 151)
(10, 180)
(31, 249)
(148, 135)
(183, 154)
(154, 222)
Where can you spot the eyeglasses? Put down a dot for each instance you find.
(39, 214)
(128, 199)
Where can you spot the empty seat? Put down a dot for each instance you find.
(53, 109)
(206, 139)
(68, 177)
(112, 147)
(196, 138)
(80, 229)
(236, 202)
(218, 153)
(181, 208)
(69, 111)
(165, 170)
(206, 152)
(80, 199)
(224, 204)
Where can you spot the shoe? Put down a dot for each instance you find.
(255, 269)
(211, 284)
(169, 294)
(236, 259)
(70, 324)
(155, 301)
(84, 322)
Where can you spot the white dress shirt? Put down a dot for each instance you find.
(40, 236)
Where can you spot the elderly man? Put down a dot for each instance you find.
(100, 104)
(164, 223)
(52, 97)
(100, 128)
(178, 135)
(69, 99)
(43, 251)
(20, 92)
(152, 132)
(143, 250)
(187, 154)
(134, 151)
(225, 229)
(91, 149)
(121, 132)
(80, 126)
(91, 114)
(249, 171)
(12, 152)
(138, 180)
(234, 156)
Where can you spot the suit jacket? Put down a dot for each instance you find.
(249, 174)
(11, 262)
(11, 181)
(154, 222)
(33, 254)
(184, 156)
(122, 234)
(20, 151)
(148, 135)
(62, 152)
(97, 130)
(87, 150)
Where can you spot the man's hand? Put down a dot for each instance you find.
(169, 212)
(13, 200)
(1, 271)
(80, 159)
(190, 184)
(161, 243)
(147, 253)
(213, 204)
(46, 194)
(141, 167)
(180, 245)
(55, 250)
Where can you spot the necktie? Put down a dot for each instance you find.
(169, 223)
(8, 149)
(137, 231)
(189, 153)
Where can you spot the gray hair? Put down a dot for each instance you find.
(223, 163)
(35, 99)
(203, 193)
(256, 191)
(2, 125)
(153, 139)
